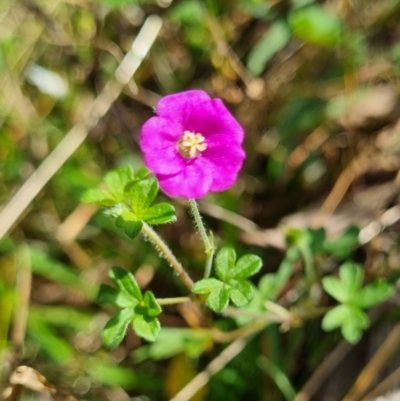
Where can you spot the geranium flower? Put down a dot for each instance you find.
(193, 145)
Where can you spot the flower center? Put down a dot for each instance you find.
(191, 144)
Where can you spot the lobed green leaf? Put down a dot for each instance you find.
(334, 287)
(115, 329)
(353, 326)
(160, 213)
(246, 266)
(218, 299)
(98, 197)
(128, 222)
(351, 276)
(242, 293)
(153, 308)
(141, 194)
(110, 295)
(373, 294)
(224, 262)
(335, 317)
(207, 285)
(117, 180)
(146, 327)
(125, 281)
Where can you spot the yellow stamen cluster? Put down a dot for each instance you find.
(191, 144)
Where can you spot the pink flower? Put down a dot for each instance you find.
(193, 146)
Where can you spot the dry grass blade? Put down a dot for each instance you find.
(212, 368)
(36, 182)
(375, 365)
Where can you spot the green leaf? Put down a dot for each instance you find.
(110, 295)
(353, 326)
(276, 38)
(142, 173)
(246, 266)
(207, 285)
(117, 180)
(218, 299)
(125, 281)
(115, 329)
(286, 267)
(316, 239)
(315, 25)
(224, 261)
(109, 374)
(334, 287)
(146, 327)
(153, 308)
(268, 286)
(242, 293)
(127, 221)
(335, 317)
(141, 194)
(351, 276)
(159, 214)
(373, 294)
(98, 197)
(343, 246)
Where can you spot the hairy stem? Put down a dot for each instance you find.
(159, 243)
(208, 241)
(172, 301)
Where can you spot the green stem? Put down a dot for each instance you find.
(172, 301)
(308, 264)
(159, 243)
(208, 241)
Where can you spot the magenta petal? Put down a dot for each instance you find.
(191, 183)
(226, 158)
(212, 117)
(159, 133)
(178, 107)
(165, 161)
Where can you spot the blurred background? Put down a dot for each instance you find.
(315, 85)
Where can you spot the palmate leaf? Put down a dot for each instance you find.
(232, 283)
(129, 199)
(139, 310)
